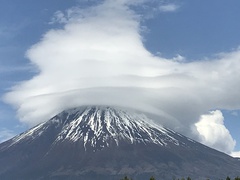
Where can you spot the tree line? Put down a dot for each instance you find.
(188, 178)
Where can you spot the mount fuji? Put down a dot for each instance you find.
(99, 142)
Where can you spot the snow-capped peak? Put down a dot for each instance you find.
(98, 127)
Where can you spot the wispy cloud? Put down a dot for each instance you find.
(6, 134)
(59, 17)
(98, 58)
(235, 113)
(4, 31)
(236, 154)
(12, 69)
(10, 31)
(169, 7)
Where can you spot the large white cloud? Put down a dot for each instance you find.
(213, 132)
(98, 57)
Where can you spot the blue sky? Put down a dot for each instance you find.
(22, 24)
(187, 31)
(198, 29)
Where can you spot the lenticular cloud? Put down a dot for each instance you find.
(98, 58)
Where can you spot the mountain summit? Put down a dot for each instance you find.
(100, 142)
(96, 128)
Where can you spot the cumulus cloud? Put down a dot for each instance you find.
(98, 58)
(213, 132)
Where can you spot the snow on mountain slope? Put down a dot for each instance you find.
(106, 143)
(99, 127)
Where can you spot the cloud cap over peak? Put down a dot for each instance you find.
(98, 58)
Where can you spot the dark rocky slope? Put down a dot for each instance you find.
(108, 143)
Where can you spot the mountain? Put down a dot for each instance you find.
(107, 143)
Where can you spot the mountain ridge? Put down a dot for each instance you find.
(96, 121)
(108, 142)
